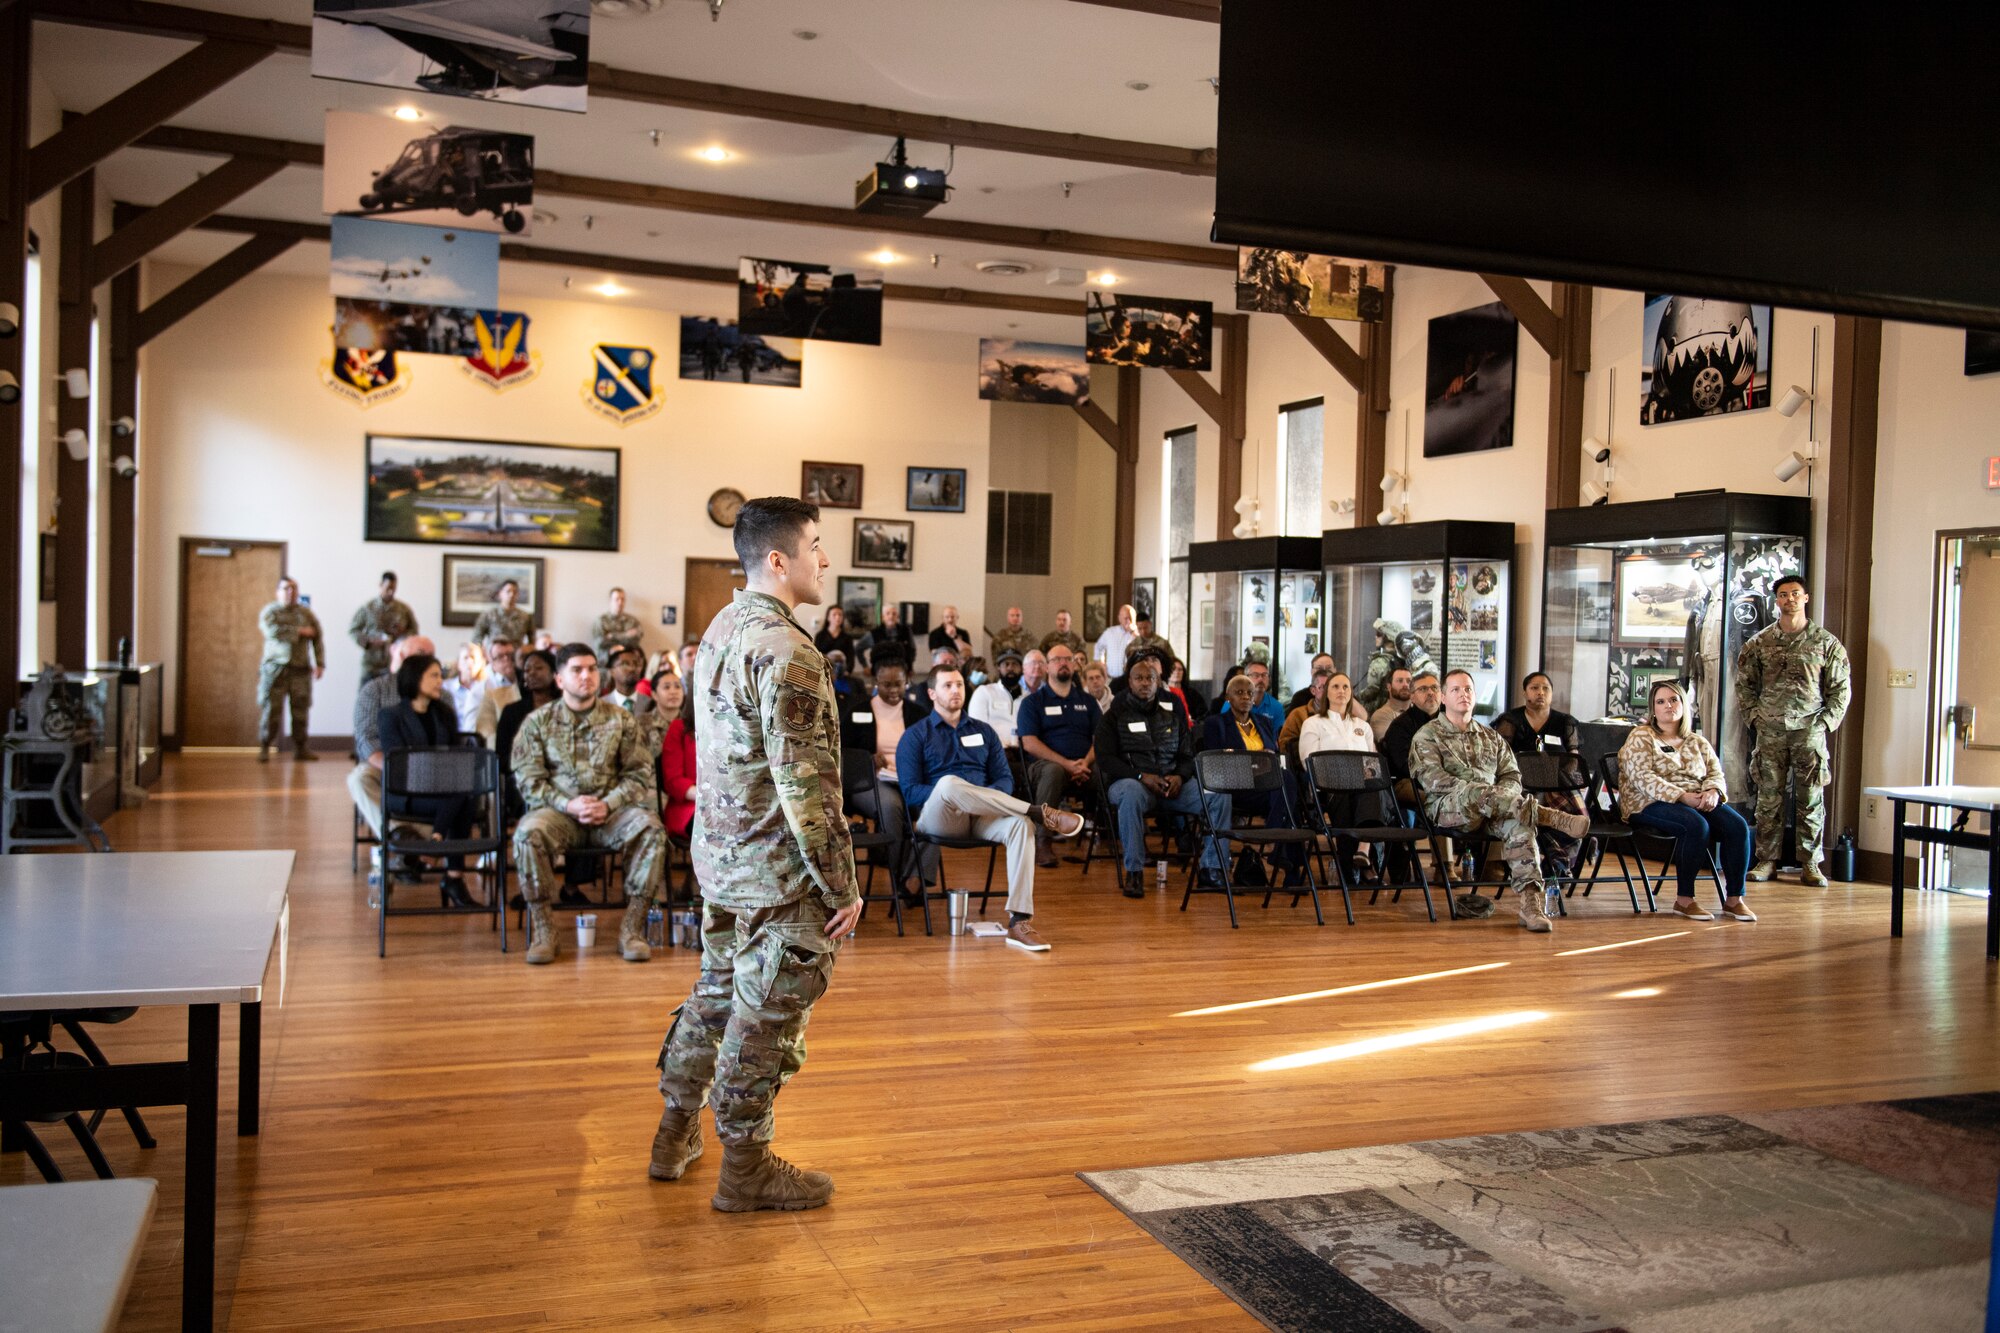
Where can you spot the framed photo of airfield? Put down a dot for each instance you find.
(861, 600)
(472, 584)
(431, 489)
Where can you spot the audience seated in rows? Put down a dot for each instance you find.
(503, 686)
(1239, 726)
(538, 687)
(1096, 683)
(422, 720)
(467, 687)
(1145, 749)
(364, 783)
(947, 634)
(1057, 727)
(1399, 685)
(678, 781)
(832, 636)
(876, 726)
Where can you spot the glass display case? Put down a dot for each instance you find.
(84, 710)
(1257, 590)
(1437, 594)
(1635, 593)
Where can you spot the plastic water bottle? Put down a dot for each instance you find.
(1160, 875)
(656, 928)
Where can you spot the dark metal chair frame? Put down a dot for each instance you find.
(1476, 845)
(1247, 772)
(1349, 774)
(472, 770)
(1104, 828)
(857, 774)
(1664, 846)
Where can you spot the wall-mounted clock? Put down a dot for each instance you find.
(724, 505)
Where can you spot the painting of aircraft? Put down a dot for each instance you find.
(531, 52)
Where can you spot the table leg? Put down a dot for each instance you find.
(198, 1226)
(1993, 884)
(1896, 875)
(249, 1066)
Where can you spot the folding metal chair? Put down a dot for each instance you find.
(1235, 773)
(1547, 773)
(1642, 838)
(1169, 824)
(1343, 785)
(857, 775)
(446, 771)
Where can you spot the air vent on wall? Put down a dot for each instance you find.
(1003, 268)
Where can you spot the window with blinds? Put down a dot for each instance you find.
(1018, 531)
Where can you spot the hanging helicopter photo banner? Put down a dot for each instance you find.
(521, 52)
(411, 265)
(453, 176)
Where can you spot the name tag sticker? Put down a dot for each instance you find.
(972, 740)
(1166, 705)
(862, 718)
(1139, 727)
(1053, 710)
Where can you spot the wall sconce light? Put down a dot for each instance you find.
(1794, 399)
(10, 319)
(77, 442)
(1341, 506)
(124, 428)
(125, 467)
(77, 380)
(10, 388)
(1596, 493)
(1791, 465)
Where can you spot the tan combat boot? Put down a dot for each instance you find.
(1575, 826)
(541, 934)
(676, 1144)
(1762, 871)
(754, 1178)
(1535, 911)
(632, 946)
(1813, 877)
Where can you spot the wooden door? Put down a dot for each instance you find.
(224, 584)
(709, 585)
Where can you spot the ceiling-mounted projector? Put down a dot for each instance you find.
(899, 188)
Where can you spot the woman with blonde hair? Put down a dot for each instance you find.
(1670, 783)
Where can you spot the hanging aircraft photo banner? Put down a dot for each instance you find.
(436, 330)
(522, 52)
(1146, 331)
(451, 176)
(412, 265)
(776, 298)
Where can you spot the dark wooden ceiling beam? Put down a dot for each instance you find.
(156, 226)
(87, 141)
(209, 283)
(1201, 11)
(661, 268)
(660, 90)
(1100, 421)
(1535, 314)
(1336, 350)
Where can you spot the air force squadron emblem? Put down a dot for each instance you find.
(502, 359)
(363, 377)
(621, 383)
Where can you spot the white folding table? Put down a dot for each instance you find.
(68, 1251)
(147, 928)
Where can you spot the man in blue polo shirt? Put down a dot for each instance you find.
(1057, 728)
(956, 784)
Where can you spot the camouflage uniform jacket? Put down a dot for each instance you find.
(1011, 640)
(768, 824)
(1143, 643)
(282, 645)
(561, 753)
(615, 631)
(497, 622)
(1449, 763)
(390, 620)
(1068, 636)
(1793, 681)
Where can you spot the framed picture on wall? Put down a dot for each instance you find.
(1656, 597)
(441, 491)
(472, 584)
(860, 602)
(1096, 611)
(884, 543)
(831, 485)
(1144, 593)
(935, 490)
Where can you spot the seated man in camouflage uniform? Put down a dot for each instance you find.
(1471, 784)
(585, 772)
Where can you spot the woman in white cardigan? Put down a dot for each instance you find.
(1332, 723)
(1670, 783)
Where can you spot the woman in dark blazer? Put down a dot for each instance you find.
(425, 720)
(1235, 727)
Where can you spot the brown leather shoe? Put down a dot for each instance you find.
(1023, 935)
(1692, 912)
(1062, 823)
(1739, 912)
(676, 1143)
(757, 1178)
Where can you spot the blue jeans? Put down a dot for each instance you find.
(1133, 803)
(1691, 830)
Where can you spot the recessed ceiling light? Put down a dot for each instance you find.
(988, 189)
(544, 218)
(610, 288)
(408, 113)
(805, 34)
(885, 256)
(1138, 85)
(714, 153)
(1106, 278)
(655, 235)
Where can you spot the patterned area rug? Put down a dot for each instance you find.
(1870, 1217)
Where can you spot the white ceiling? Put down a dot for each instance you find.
(1048, 64)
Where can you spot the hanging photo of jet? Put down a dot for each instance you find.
(525, 52)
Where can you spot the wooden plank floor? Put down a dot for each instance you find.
(454, 1140)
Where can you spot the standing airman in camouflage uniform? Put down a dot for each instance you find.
(1793, 684)
(1062, 633)
(378, 624)
(1472, 783)
(504, 621)
(294, 657)
(585, 771)
(775, 861)
(1012, 637)
(615, 629)
(1146, 641)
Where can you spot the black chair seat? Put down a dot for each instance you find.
(956, 844)
(1273, 836)
(1378, 833)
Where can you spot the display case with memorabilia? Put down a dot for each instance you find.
(1665, 590)
(1437, 594)
(1259, 590)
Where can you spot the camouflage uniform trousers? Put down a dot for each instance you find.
(1502, 810)
(742, 1031)
(278, 682)
(1794, 758)
(635, 831)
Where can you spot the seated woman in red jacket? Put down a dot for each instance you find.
(677, 778)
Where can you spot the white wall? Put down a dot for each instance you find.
(1035, 447)
(243, 441)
